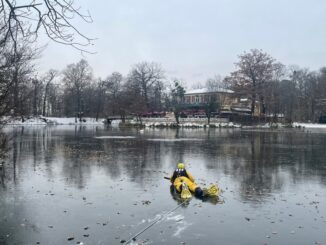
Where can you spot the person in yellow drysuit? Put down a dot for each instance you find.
(182, 180)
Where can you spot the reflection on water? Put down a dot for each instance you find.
(60, 180)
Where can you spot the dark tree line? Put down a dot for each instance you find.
(21, 92)
(75, 92)
(295, 93)
(134, 94)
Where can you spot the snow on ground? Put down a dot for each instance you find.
(54, 121)
(188, 124)
(309, 125)
(92, 121)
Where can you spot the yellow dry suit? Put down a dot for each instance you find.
(183, 181)
(181, 175)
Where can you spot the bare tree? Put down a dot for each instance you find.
(37, 88)
(288, 97)
(254, 70)
(321, 95)
(177, 94)
(322, 83)
(77, 77)
(146, 76)
(114, 86)
(54, 17)
(308, 92)
(51, 74)
(5, 82)
(215, 83)
(216, 87)
(17, 69)
(132, 103)
(211, 106)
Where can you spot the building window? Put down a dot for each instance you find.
(197, 99)
(206, 98)
(187, 99)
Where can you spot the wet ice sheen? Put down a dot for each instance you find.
(115, 137)
(60, 180)
(176, 140)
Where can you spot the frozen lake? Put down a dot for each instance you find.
(97, 185)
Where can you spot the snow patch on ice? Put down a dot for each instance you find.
(115, 137)
(182, 224)
(180, 228)
(177, 217)
(150, 220)
(175, 140)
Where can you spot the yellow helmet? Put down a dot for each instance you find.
(181, 165)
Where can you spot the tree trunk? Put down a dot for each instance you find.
(146, 98)
(16, 91)
(78, 106)
(35, 100)
(253, 97)
(253, 102)
(44, 105)
(123, 116)
(313, 117)
(99, 104)
(176, 115)
(44, 100)
(263, 106)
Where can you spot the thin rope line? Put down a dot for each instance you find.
(153, 223)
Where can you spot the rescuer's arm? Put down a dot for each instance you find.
(172, 178)
(190, 176)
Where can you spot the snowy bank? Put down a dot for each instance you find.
(309, 125)
(170, 124)
(149, 122)
(53, 121)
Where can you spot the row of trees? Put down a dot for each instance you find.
(75, 92)
(140, 91)
(20, 26)
(296, 93)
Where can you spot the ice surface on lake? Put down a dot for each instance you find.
(115, 137)
(176, 218)
(182, 224)
(176, 140)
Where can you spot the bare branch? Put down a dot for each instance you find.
(53, 16)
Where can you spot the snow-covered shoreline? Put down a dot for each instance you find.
(309, 125)
(52, 121)
(191, 125)
(35, 121)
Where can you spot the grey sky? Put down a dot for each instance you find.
(194, 40)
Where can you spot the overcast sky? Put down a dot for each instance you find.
(193, 40)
